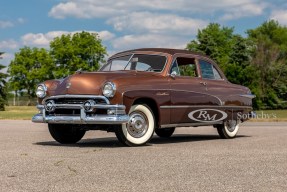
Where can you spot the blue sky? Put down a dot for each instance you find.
(127, 24)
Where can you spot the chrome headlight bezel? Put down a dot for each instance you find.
(41, 91)
(109, 89)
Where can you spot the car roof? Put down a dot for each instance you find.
(162, 50)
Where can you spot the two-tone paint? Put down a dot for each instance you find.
(171, 98)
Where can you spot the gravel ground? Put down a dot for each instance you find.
(193, 159)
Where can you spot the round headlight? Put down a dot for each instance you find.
(41, 91)
(109, 89)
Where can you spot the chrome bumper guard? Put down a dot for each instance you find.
(117, 115)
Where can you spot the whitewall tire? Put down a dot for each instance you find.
(228, 129)
(140, 127)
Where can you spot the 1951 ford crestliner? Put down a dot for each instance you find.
(142, 91)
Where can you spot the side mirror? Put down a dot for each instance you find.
(173, 74)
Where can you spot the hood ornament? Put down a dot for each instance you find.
(68, 85)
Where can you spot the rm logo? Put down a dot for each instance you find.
(207, 115)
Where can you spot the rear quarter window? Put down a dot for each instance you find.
(208, 71)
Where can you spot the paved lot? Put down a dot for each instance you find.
(194, 159)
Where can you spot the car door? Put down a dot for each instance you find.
(188, 90)
(213, 79)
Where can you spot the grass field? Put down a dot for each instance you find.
(26, 113)
(18, 112)
(270, 115)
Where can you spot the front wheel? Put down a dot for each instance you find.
(140, 127)
(228, 129)
(66, 134)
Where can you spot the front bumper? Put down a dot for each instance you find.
(83, 118)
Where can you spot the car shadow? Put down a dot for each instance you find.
(107, 142)
(182, 138)
(112, 142)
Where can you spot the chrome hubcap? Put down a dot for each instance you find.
(137, 125)
(231, 125)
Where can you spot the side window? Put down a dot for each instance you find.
(184, 67)
(208, 71)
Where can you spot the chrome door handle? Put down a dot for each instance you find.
(203, 83)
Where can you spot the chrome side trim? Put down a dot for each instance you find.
(250, 96)
(190, 124)
(166, 90)
(78, 96)
(204, 106)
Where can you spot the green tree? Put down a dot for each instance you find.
(258, 61)
(30, 67)
(214, 41)
(230, 51)
(74, 52)
(269, 57)
(3, 88)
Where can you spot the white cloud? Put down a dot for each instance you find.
(85, 9)
(149, 40)
(244, 10)
(6, 59)
(38, 39)
(21, 20)
(8, 44)
(228, 9)
(157, 23)
(5, 24)
(280, 16)
(106, 35)
(43, 39)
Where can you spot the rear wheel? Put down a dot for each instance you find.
(165, 132)
(228, 129)
(66, 134)
(140, 127)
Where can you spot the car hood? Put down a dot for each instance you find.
(91, 83)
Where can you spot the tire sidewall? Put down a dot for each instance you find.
(151, 126)
(229, 133)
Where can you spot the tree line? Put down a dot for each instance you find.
(258, 61)
(67, 54)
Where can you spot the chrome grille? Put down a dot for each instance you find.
(71, 104)
(77, 99)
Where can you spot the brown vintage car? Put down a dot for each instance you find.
(142, 91)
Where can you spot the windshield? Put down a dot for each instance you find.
(138, 62)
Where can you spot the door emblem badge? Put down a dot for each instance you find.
(162, 93)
